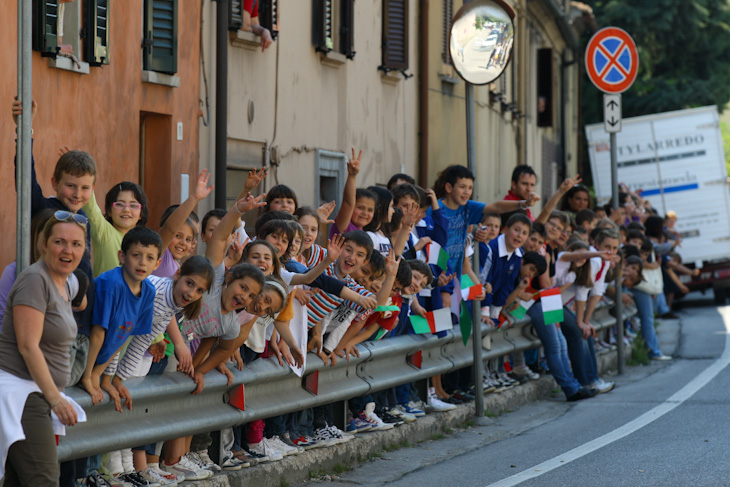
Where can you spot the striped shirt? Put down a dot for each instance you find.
(316, 256)
(163, 310)
(322, 303)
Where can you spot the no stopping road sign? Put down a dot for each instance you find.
(612, 60)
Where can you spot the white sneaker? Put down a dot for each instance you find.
(188, 470)
(285, 449)
(436, 404)
(527, 371)
(324, 437)
(602, 386)
(164, 474)
(263, 448)
(155, 479)
(400, 412)
(206, 462)
(380, 424)
(488, 385)
(340, 435)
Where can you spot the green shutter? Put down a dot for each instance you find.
(323, 40)
(160, 36)
(45, 27)
(96, 30)
(395, 35)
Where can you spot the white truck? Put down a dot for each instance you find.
(676, 159)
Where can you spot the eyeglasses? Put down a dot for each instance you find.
(67, 216)
(118, 205)
(557, 227)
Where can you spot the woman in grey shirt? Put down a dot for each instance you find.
(37, 334)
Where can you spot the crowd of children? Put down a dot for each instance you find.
(197, 296)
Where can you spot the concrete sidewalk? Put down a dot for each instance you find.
(328, 462)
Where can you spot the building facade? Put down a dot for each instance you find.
(119, 80)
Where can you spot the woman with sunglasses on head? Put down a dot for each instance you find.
(125, 207)
(38, 332)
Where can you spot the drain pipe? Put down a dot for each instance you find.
(221, 102)
(423, 93)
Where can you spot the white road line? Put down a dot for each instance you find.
(649, 417)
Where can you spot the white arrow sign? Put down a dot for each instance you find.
(612, 113)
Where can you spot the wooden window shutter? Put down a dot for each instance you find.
(322, 11)
(235, 14)
(45, 27)
(395, 35)
(448, 11)
(269, 16)
(347, 29)
(160, 36)
(96, 32)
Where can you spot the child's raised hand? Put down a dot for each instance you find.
(201, 189)
(63, 149)
(248, 202)
(254, 178)
(324, 212)
(353, 165)
(235, 251)
(391, 263)
(532, 198)
(303, 295)
(569, 183)
(431, 194)
(422, 242)
(334, 247)
(18, 109)
(410, 216)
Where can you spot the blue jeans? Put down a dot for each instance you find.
(644, 303)
(660, 304)
(580, 350)
(555, 353)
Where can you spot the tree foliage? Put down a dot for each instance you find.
(684, 54)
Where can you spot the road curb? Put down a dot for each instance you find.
(298, 468)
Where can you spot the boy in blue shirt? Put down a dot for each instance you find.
(454, 187)
(124, 304)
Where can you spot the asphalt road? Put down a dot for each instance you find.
(664, 424)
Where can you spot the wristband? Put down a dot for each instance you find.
(522, 205)
(235, 205)
(56, 403)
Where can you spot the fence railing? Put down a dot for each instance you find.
(164, 407)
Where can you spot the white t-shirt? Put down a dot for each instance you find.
(381, 243)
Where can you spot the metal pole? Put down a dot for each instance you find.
(221, 102)
(476, 328)
(22, 170)
(619, 302)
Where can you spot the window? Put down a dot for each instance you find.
(45, 27)
(334, 26)
(268, 15)
(544, 87)
(329, 182)
(395, 35)
(160, 36)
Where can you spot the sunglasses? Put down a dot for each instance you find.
(118, 205)
(67, 216)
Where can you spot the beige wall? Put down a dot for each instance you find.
(319, 106)
(502, 142)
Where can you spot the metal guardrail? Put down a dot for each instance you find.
(164, 407)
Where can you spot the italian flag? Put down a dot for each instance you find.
(437, 256)
(380, 333)
(435, 321)
(469, 290)
(552, 305)
(519, 311)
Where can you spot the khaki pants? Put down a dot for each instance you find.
(34, 460)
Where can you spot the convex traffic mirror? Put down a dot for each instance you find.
(482, 35)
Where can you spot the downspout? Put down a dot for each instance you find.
(565, 67)
(423, 93)
(221, 102)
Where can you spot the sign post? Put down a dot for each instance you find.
(612, 63)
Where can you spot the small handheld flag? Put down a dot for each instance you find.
(435, 321)
(469, 290)
(437, 256)
(552, 306)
